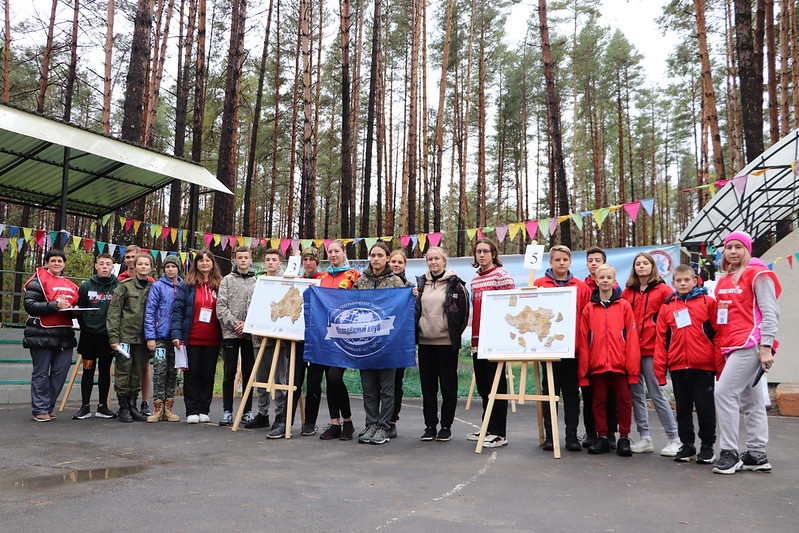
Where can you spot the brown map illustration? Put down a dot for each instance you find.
(290, 305)
(538, 321)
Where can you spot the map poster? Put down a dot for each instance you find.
(528, 323)
(276, 308)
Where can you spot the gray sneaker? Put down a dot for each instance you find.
(755, 461)
(227, 419)
(380, 436)
(278, 432)
(368, 433)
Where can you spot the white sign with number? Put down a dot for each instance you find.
(533, 256)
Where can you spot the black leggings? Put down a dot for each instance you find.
(103, 379)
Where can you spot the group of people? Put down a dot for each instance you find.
(626, 342)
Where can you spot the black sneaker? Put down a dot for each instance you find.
(612, 441)
(258, 421)
(332, 431)
(145, 409)
(686, 453)
(623, 447)
(278, 432)
(600, 445)
(755, 461)
(347, 430)
(589, 439)
(104, 412)
(706, 455)
(444, 434)
(429, 434)
(548, 445)
(573, 443)
(727, 463)
(308, 429)
(392, 431)
(83, 413)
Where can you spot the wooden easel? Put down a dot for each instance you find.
(79, 368)
(521, 397)
(511, 387)
(270, 384)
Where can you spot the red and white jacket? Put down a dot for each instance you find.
(607, 339)
(646, 306)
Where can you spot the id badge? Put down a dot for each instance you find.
(722, 315)
(160, 353)
(682, 318)
(205, 314)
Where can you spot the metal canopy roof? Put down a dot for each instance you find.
(104, 173)
(767, 195)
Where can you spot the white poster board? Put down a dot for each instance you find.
(276, 308)
(528, 323)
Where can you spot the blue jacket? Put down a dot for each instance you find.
(183, 312)
(158, 312)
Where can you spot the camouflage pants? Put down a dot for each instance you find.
(164, 371)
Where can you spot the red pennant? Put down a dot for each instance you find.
(89, 244)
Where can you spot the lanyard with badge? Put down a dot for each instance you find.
(206, 311)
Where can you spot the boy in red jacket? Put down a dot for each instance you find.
(609, 357)
(685, 330)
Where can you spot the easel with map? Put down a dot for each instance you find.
(276, 312)
(527, 326)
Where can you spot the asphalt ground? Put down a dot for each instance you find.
(102, 475)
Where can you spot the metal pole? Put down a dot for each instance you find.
(62, 214)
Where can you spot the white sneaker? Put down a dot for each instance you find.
(643, 446)
(494, 441)
(671, 449)
(204, 418)
(193, 419)
(474, 436)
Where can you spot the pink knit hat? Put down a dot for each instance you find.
(744, 238)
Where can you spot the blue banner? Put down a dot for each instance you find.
(361, 329)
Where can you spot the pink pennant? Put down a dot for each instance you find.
(405, 239)
(223, 242)
(326, 243)
(284, 245)
(480, 233)
(3, 243)
(632, 209)
(128, 224)
(740, 183)
(553, 225)
(209, 237)
(502, 232)
(39, 237)
(532, 228)
(165, 232)
(790, 261)
(434, 238)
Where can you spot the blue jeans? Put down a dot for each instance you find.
(50, 369)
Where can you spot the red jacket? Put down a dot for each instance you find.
(583, 292)
(690, 346)
(343, 280)
(646, 306)
(607, 339)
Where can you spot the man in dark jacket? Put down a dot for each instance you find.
(96, 292)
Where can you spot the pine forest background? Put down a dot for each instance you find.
(357, 118)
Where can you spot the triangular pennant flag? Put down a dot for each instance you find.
(247, 242)
(513, 229)
(75, 243)
(471, 233)
(796, 256)
(217, 239)
(387, 239)
(532, 228)
(405, 239)
(502, 232)
(319, 243)
(284, 245)
(480, 234)
(2, 228)
(105, 219)
(111, 249)
(326, 243)
(543, 225)
(770, 266)
(347, 241)
(101, 246)
(577, 218)
(295, 246)
(422, 240)
(89, 245)
(488, 229)
(648, 205)
(64, 238)
(173, 233)
(740, 184)
(154, 229)
(20, 244)
(224, 240)
(163, 255)
(165, 231)
(3, 243)
(136, 225)
(632, 209)
(154, 253)
(12, 231)
(209, 237)
(563, 218)
(306, 243)
(238, 240)
(122, 221)
(128, 224)
(553, 225)
(370, 241)
(600, 215)
(434, 238)
(53, 237)
(183, 257)
(414, 241)
(27, 232)
(614, 208)
(121, 251)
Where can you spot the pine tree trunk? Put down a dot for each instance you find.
(7, 51)
(481, 123)
(709, 93)
(785, 70)
(308, 205)
(270, 222)
(751, 80)
(771, 65)
(46, 58)
(442, 88)
(370, 121)
(198, 117)
(109, 50)
(347, 180)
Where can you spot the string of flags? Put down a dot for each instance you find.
(739, 182)
(546, 227)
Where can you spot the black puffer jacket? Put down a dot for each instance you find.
(36, 336)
